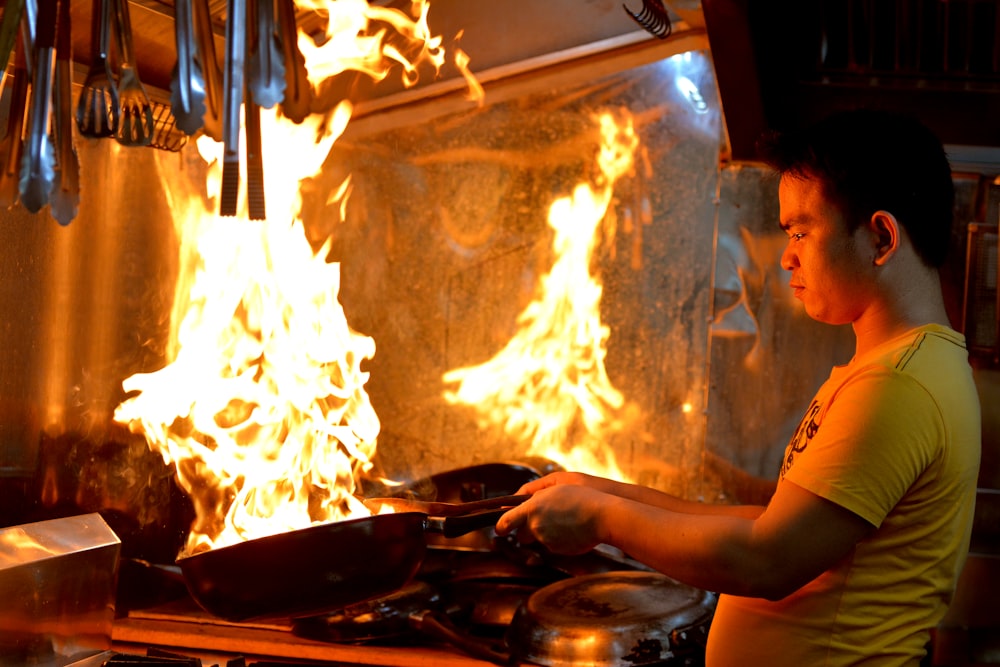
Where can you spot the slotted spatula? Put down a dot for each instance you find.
(97, 109)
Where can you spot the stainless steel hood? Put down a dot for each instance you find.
(494, 34)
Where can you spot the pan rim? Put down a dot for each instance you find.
(304, 532)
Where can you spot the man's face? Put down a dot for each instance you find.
(831, 274)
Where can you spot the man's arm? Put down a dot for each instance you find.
(641, 494)
(796, 538)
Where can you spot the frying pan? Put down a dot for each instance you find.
(326, 566)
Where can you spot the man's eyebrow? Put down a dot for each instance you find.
(785, 225)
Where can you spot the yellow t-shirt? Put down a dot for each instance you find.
(894, 437)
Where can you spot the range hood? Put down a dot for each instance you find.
(779, 64)
(500, 37)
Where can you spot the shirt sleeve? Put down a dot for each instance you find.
(872, 439)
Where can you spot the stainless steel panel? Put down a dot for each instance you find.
(57, 580)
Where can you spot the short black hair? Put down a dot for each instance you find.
(869, 160)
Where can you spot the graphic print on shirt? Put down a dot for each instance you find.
(803, 435)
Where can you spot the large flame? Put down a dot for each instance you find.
(548, 387)
(262, 407)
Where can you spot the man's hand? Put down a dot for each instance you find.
(566, 518)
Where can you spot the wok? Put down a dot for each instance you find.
(327, 566)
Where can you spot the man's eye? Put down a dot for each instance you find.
(797, 236)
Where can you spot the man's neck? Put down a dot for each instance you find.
(916, 303)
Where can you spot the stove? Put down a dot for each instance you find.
(456, 612)
(474, 594)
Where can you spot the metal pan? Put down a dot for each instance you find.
(613, 619)
(328, 566)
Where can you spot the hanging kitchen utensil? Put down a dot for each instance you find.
(298, 90)
(320, 568)
(233, 84)
(614, 619)
(97, 109)
(37, 163)
(187, 83)
(64, 201)
(265, 64)
(8, 32)
(11, 147)
(135, 126)
(166, 135)
(209, 64)
(29, 19)
(256, 207)
(653, 17)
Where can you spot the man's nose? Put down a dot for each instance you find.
(789, 260)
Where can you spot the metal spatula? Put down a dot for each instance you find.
(97, 108)
(135, 127)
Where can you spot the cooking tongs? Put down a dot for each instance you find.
(187, 85)
(236, 38)
(64, 200)
(205, 37)
(265, 61)
(37, 170)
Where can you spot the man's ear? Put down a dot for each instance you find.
(886, 232)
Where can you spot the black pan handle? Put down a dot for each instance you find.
(456, 526)
(439, 626)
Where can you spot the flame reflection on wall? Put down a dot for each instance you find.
(550, 378)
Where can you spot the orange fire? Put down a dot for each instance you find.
(548, 387)
(262, 408)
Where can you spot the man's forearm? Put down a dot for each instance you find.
(650, 496)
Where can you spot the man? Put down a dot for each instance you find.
(855, 557)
